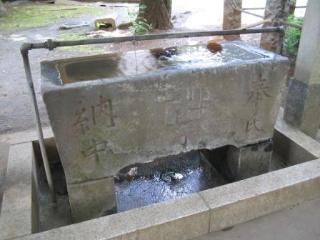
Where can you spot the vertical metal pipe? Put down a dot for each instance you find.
(25, 57)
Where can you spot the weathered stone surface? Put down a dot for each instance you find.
(254, 197)
(184, 218)
(302, 103)
(295, 102)
(308, 59)
(16, 209)
(104, 125)
(250, 160)
(188, 217)
(92, 198)
(303, 99)
(292, 145)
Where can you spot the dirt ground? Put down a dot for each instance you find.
(16, 112)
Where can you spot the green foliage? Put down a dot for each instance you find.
(37, 15)
(292, 36)
(140, 25)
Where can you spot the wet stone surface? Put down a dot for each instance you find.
(140, 62)
(165, 179)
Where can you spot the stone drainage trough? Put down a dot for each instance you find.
(26, 210)
(111, 111)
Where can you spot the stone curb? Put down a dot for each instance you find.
(197, 214)
(16, 212)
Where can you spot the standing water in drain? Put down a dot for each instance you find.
(164, 179)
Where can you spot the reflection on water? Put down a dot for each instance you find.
(146, 61)
(165, 179)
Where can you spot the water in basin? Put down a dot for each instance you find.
(146, 61)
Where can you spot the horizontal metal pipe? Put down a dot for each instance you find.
(50, 44)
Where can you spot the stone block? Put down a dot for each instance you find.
(109, 111)
(295, 102)
(303, 101)
(184, 218)
(16, 209)
(292, 145)
(254, 197)
(249, 161)
(92, 199)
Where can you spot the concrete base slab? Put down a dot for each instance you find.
(299, 222)
(16, 211)
(184, 218)
(251, 198)
(191, 216)
(293, 145)
(214, 209)
(4, 151)
(24, 136)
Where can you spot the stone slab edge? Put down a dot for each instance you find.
(245, 200)
(297, 136)
(198, 214)
(24, 136)
(16, 211)
(184, 218)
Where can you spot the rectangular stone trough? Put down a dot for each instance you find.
(110, 111)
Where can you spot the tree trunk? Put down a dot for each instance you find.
(278, 12)
(292, 7)
(157, 13)
(3, 10)
(232, 17)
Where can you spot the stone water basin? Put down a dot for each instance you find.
(141, 62)
(111, 111)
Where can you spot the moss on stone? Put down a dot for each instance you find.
(37, 15)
